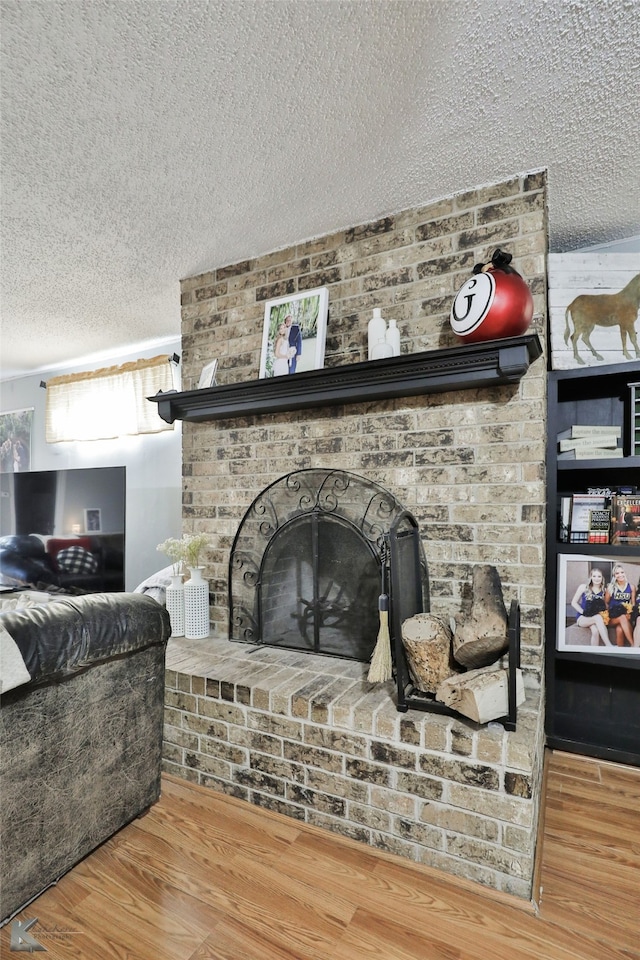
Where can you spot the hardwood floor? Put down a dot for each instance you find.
(206, 877)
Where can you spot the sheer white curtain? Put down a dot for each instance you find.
(107, 403)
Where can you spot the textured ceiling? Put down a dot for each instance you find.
(144, 141)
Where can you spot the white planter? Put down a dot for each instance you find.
(175, 605)
(196, 605)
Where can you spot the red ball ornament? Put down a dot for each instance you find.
(493, 304)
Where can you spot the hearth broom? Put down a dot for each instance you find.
(380, 668)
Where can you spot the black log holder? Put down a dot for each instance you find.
(408, 598)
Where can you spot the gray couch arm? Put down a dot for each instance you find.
(69, 634)
(82, 742)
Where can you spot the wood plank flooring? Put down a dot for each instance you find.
(206, 877)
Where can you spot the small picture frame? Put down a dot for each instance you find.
(581, 581)
(208, 375)
(294, 333)
(92, 520)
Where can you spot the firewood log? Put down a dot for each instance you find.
(482, 695)
(481, 637)
(427, 644)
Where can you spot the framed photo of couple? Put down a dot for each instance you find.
(294, 333)
(585, 623)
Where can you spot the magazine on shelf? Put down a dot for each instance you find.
(626, 519)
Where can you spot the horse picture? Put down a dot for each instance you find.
(593, 300)
(604, 310)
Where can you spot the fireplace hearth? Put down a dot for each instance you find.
(310, 559)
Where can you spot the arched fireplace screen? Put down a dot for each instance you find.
(305, 570)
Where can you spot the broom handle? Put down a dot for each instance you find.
(383, 559)
(381, 668)
(383, 599)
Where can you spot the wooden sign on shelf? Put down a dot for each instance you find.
(593, 308)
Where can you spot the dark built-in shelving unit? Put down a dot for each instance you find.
(434, 371)
(592, 699)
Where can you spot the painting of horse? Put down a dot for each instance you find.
(593, 299)
(604, 310)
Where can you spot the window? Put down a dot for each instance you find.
(107, 403)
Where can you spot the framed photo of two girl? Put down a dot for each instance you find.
(599, 604)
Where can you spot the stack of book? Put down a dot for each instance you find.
(589, 442)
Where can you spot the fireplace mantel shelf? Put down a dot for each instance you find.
(435, 371)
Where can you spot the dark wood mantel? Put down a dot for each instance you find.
(434, 371)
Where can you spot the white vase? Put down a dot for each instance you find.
(376, 331)
(175, 605)
(393, 337)
(196, 605)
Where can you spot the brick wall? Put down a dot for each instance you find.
(468, 464)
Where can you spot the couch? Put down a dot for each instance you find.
(80, 728)
(84, 564)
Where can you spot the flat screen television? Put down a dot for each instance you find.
(63, 530)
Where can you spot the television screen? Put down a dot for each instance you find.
(63, 530)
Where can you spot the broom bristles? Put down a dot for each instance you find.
(381, 665)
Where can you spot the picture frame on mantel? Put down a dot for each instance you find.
(294, 333)
(585, 306)
(574, 573)
(208, 375)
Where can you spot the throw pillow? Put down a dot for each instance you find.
(76, 560)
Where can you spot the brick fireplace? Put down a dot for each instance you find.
(304, 734)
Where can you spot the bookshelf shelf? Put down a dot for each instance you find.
(593, 699)
(599, 549)
(628, 661)
(621, 464)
